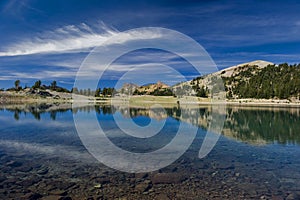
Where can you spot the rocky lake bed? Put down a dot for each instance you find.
(43, 158)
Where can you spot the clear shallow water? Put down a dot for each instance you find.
(41, 155)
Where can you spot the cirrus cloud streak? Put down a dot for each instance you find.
(73, 38)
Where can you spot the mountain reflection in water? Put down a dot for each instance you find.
(254, 125)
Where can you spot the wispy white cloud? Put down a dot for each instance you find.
(73, 38)
(16, 8)
(5, 78)
(64, 39)
(46, 74)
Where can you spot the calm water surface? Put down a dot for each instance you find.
(42, 156)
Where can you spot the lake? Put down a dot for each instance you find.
(43, 156)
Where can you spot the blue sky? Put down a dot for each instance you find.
(49, 39)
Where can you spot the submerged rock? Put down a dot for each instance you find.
(24, 168)
(293, 196)
(58, 192)
(42, 171)
(167, 178)
(14, 164)
(98, 186)
(162, 197)
(143, 187)
(32, 196)
(51, 197)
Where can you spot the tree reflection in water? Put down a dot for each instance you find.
(255, 125)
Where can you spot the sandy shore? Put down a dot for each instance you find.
(264, 102)
(142, 100)
(146, 100)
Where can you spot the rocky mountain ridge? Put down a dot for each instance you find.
(257, 79)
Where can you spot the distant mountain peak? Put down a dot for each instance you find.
(129, 85)
(128, 88)
(231, 70)
(150, 88)
(161, 84)
(259, 63)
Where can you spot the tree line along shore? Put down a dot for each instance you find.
(243, 84)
